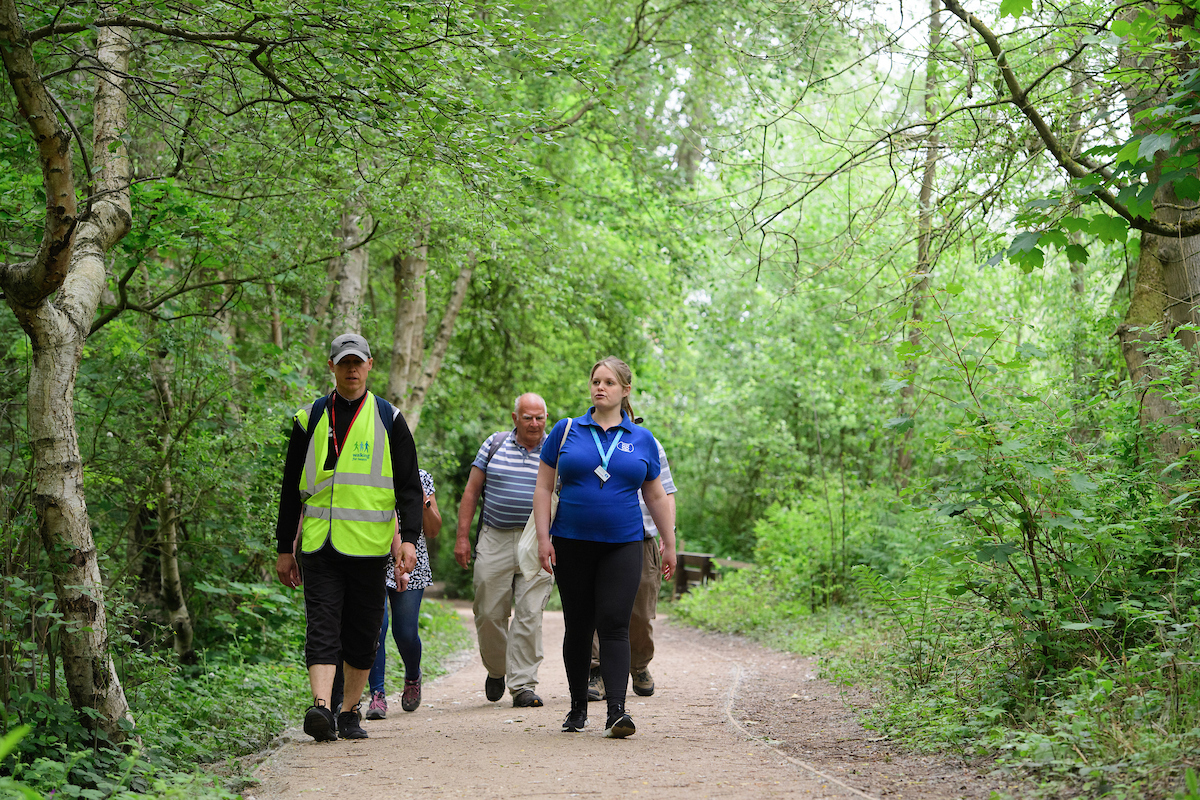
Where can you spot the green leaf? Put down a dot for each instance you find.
(1110, 229)
(1015, 8)
(1082, 483)
(899, 424)
(1129, 153)
(1188, 188)
(1154, 143)
(1054, 237)
(1024, 242)
(998, 553)
(1076, 253)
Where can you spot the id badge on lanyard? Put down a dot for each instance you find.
(602, 471)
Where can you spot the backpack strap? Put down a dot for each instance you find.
(387, 413)
(318, 408)
(498, 439)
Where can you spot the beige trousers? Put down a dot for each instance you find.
(645, 605)
(514, 651)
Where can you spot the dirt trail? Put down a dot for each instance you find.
(729, 719)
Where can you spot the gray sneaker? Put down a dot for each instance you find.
(643, 684)
(595, 685)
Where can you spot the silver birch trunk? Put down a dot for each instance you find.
(408, 333)
(441, 342)
(925, 208)
(276, 322)
(178, 615)
(349, 274)
(54, 298)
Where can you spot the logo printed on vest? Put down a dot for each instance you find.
(361, 451)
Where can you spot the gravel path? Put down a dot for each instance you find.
(729, 719)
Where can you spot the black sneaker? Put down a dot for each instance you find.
(619, 727)
(320, 724)
(595, 685)
(350, 725)
(493, 688)
(576, 720)
(643, 684)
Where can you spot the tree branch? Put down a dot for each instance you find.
(1019, 97)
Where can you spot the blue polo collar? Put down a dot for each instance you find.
(626, 423)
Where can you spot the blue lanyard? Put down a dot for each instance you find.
(604, 457)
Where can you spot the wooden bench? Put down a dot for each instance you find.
(697, 569)
(693, 569)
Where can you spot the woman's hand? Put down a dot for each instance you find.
(402, 578)
(541, 515)
(546, 554)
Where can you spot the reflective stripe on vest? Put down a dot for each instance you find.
(355, 502)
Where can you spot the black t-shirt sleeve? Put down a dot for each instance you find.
(410, 497)
(288, 519)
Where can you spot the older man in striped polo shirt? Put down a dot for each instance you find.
(505, 473)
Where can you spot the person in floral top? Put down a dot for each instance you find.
(405, 608)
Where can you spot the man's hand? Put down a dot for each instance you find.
(288, 570)
(408, 556)
(462, 551)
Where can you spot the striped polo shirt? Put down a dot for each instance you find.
(509, 482)
(668, 485)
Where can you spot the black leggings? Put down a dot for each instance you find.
(597, 582)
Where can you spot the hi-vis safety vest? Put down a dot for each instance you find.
(355, 502)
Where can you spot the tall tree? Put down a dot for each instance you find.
(54, 296)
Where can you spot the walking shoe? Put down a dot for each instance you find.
(619, 726)
(378, 707)
(576, 719)
(595, 685)
(526, 699)
(350, 725)
(320, 724)
(643, 684)
(493, 688)
(411, 698)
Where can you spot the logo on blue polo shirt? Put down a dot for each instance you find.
(625, 447)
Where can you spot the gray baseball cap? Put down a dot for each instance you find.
(349, 344)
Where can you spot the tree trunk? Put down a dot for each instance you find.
(69, 267)
(350, 274)
(904, 460)
(276, 322)
(408, 333)
(1164, 291)
(168, 515)
(412, 372)
(437, 353)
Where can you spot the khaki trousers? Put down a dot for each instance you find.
(641, 629)
(513, 651)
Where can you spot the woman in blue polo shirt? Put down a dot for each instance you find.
(594, 546)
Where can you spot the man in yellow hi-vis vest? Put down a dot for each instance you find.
(350, 473)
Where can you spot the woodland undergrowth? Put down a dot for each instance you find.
(198, 723)
(1033, 601)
